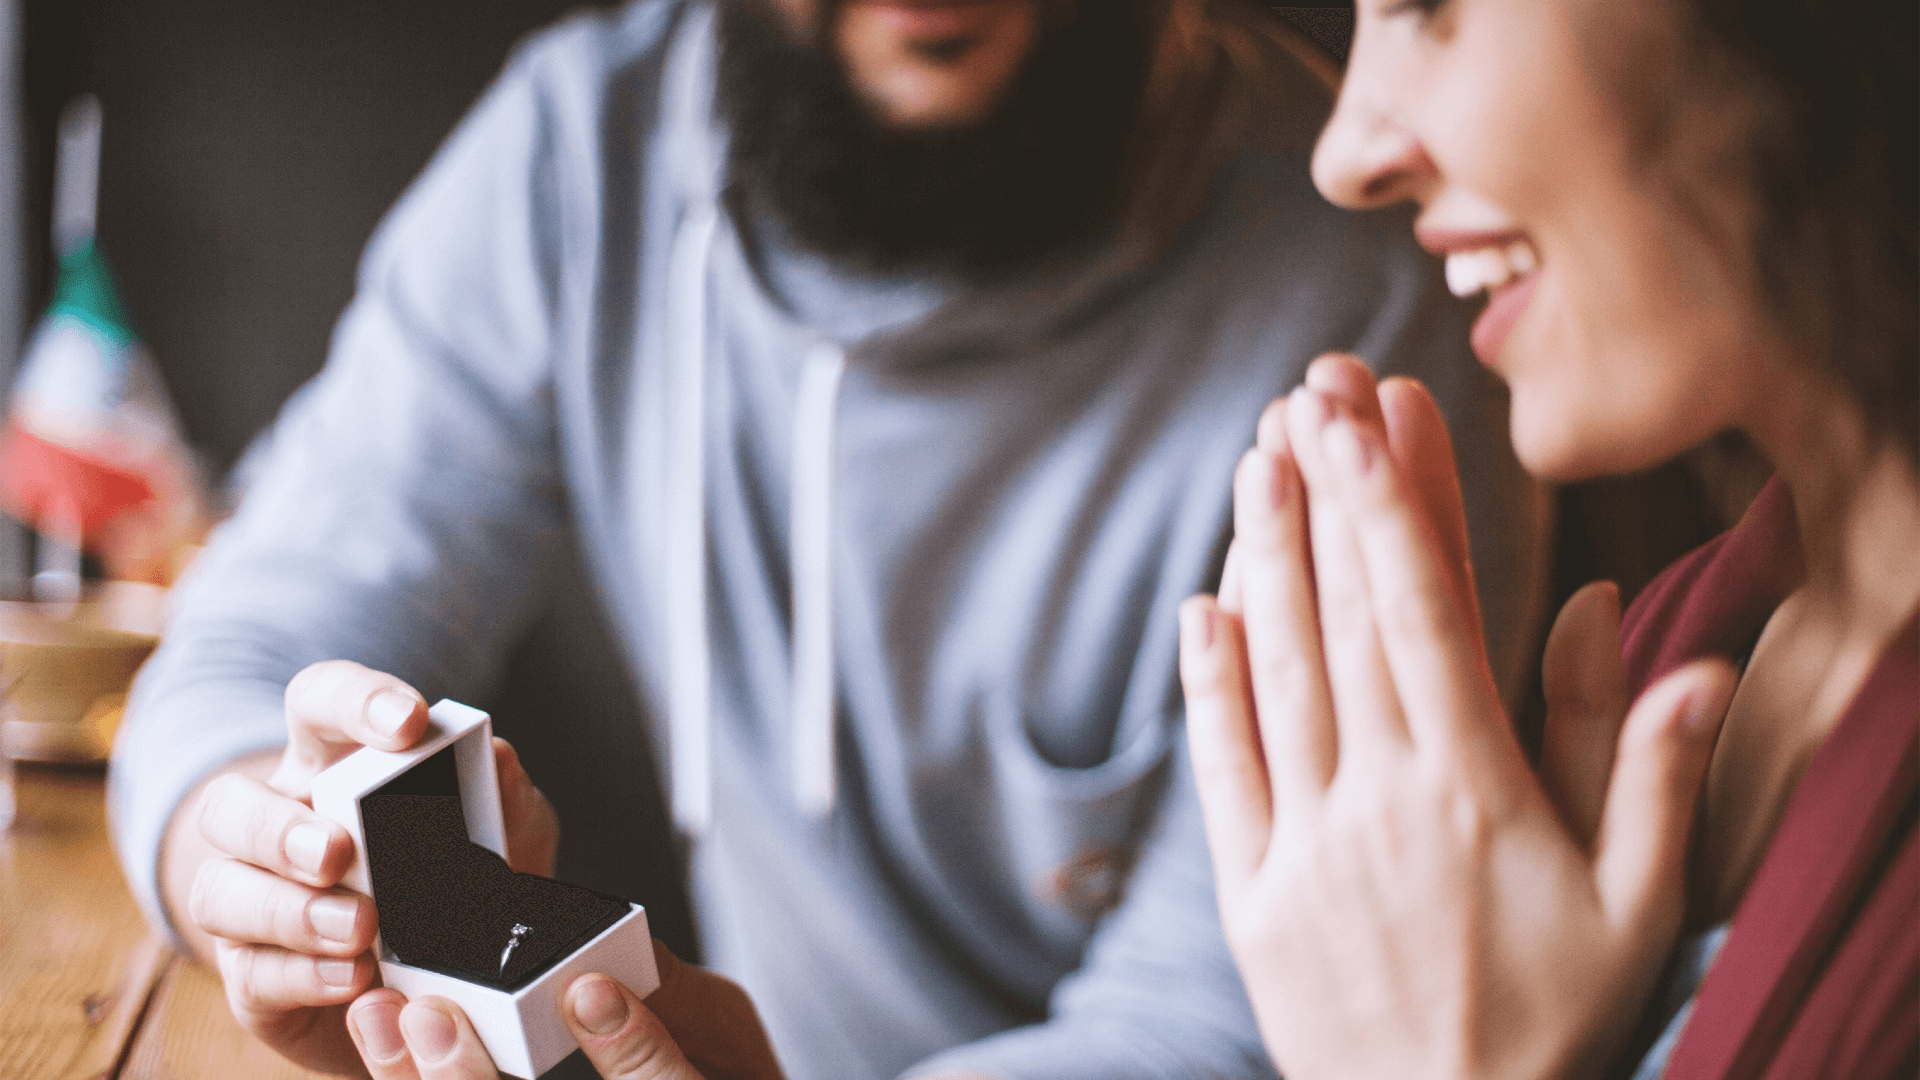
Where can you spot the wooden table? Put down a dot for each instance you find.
(86, 991)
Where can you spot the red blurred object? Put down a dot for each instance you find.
(36, 476)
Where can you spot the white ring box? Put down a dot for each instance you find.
(521, 1027)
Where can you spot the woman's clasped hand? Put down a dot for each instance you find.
(1404, 894)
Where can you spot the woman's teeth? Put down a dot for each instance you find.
(1469, 272)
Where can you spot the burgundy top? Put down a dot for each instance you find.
(1820, 974)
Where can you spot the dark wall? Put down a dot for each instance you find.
(249, 150)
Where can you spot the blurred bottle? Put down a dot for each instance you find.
(93, 456)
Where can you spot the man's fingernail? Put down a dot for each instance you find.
(431, 1034)
(388, 710)
(599, 1006)
(306, 847)
(379, 1027)
(333, 917)
(335, 972)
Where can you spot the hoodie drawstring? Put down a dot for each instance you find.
(810, 546)
(689, 643)
(684, 558)
(810, 551)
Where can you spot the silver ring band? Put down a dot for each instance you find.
(519, 931)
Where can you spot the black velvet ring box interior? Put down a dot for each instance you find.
(449, 905)
(455, 920)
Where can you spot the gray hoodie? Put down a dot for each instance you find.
(894, 562)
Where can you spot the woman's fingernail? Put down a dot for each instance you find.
(598, 1005)
(379, 1027)
(335, 972)
(1323, 407)
(431, 1034)
(1308, 410)
(333, 917)
(388, 710)
(1280, 481)
(1200, 631)
(306, 847)
(1346, 447)
(1271, 432)
(1701, 715)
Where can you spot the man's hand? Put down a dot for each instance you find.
(695, 1026)
(1402, 894)
(290, 943)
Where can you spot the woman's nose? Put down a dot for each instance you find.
(1365, 158)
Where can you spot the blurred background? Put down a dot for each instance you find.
(249, 150)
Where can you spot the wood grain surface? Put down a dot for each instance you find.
(75, 969)
(86, 993)
(188, 1034)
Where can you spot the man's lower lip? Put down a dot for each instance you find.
(928, 22)
(1495, 324)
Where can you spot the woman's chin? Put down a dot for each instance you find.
(1562, 450)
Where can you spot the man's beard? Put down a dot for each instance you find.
(1041, 171)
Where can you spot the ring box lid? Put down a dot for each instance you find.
(337, 791)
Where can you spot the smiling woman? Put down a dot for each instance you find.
(1689, 217)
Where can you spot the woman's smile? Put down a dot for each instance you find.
(1503, 265)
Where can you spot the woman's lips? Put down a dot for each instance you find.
(1495, 324)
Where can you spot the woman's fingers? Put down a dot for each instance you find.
(1229, 597)
(1228, 768)
(1431, 644)
(1370, 726)
(1292, 701)
(1349, 382)
(1586, 692)
(1640, 851)
(1417, 437)
(374, 1022)
(442, 1042)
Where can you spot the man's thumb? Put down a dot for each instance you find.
(621, 1036)
(1665, 745)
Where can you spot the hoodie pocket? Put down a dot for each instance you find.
(1070, 833)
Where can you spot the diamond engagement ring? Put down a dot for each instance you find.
(519, 931)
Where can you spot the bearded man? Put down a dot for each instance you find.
(886, 363)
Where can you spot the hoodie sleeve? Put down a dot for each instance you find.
(401, 510)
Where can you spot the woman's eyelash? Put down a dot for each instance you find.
(1421, 8)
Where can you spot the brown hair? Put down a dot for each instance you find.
(1833, 170)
